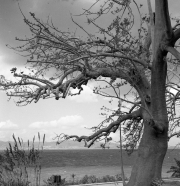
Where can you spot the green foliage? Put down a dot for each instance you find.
(175, 169)
(20, 166)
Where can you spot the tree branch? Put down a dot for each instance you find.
(173, 51)
(176, 35)
(101, 132)
(162, 18)
(103, 54)
(34, 78)
(174, 134)
(175, 26)
(43, 91)
(150, 12)
(148, 39)
(118, 2)
(152, 23)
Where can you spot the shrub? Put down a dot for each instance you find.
(87, 180)
(175, 169)
(50, 181)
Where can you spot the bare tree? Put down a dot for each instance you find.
(146, 63)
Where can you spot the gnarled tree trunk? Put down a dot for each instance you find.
(151, 153)
(153, 146)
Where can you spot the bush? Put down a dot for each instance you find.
(50, 181)
(175, 169)
(87, 180)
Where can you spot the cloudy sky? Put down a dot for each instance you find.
(49, 116)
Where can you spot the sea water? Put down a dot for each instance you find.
(96, 162)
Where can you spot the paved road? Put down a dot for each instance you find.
(104, 184)
(120, 183)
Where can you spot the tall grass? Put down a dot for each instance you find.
(20, 166)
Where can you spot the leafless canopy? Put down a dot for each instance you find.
(120, 57)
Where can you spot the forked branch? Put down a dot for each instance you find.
(111, 128)
(173, 51)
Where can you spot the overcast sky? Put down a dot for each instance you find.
(49, 116)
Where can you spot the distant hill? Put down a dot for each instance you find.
(3, 145)
(65, 145)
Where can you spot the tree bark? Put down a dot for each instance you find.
(151, 153)
(153, 146)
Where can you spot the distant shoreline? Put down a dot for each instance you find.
(55, 149)
(70, 149)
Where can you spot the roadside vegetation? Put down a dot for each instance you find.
(175, 169)
(20, 165)
(87, 179)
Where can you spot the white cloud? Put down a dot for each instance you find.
(63, 122)
(39, 124)
(89, 1)
(53, 123)
(86, 95)
(70, 120)
(8, 125)
(54, 127)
